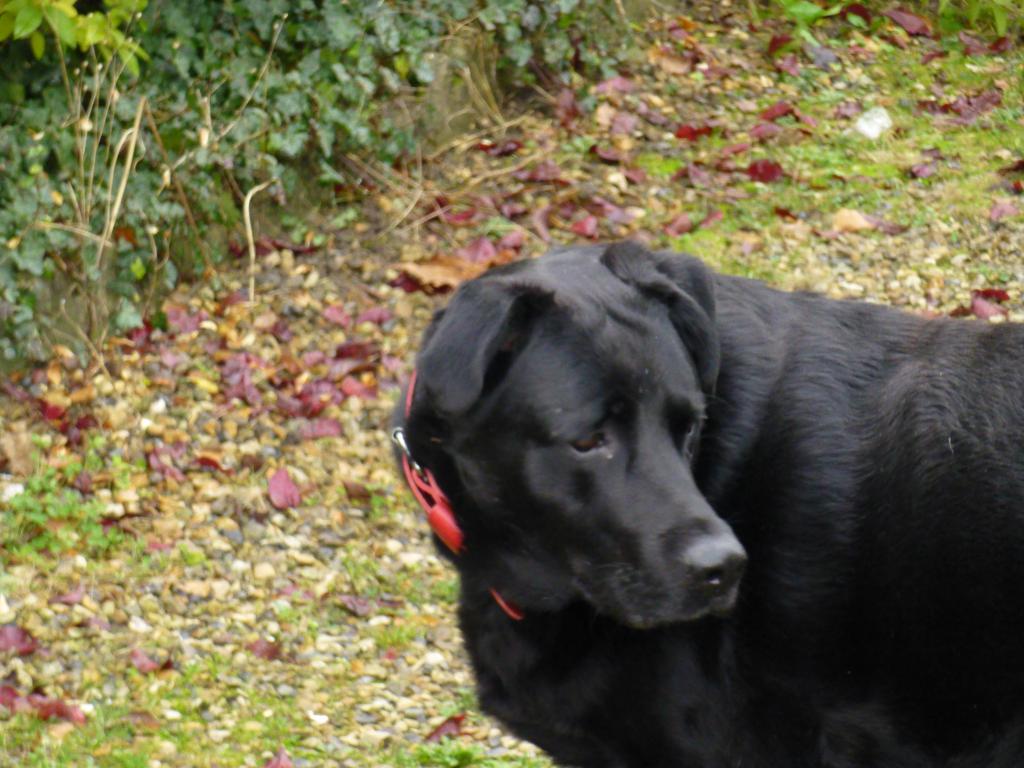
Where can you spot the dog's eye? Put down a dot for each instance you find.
(588, 444)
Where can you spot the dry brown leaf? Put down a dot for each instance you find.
(670, 63)
(443, 271)
(849, 220)
(17, 449)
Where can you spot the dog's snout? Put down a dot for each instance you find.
(715, 563)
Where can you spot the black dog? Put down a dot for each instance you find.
(619, 433)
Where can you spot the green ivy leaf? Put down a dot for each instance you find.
(27, 21)
(62, 25)
(803, 12)
(138, 269)
(38, 44)
(127, 317)
(6, 25)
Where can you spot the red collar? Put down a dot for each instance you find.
(434, 503)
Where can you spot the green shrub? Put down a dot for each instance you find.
(113, 181)
(49, 518)
(999, 16)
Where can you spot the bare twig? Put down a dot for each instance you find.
(245, 102)
(622, 12)
(179, 191)
(81, 232)
(473, 138)
(131, 138)
(85, 337)
(249, 236)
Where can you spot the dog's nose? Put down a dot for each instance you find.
(715, 563)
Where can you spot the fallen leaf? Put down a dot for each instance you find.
(512, 240)
(923, 170)
(567, 109)
(44, 707)
(1002, 209)
(143, 720)
(972, 45)
(1002, 45)
(992, 294)
(672, 64)
(1016, 167)
(849, 220)
(479, 251)
(16, 449)
(789, 65)
(458, 218)
(180, 321)
(886, 227)
(616, 84)
(680, 225)
(14, 638)
(314, 429)
(55, 709)
(984, 309)
(452, 726)
(283, 492)
(764, 131)
(357, 606)
(609, 155)
(585, 227)
(335, 313)
(912, 24)
(777, 110)
(624, 123)
(51, 411)
(442, 273)
(544, 171)
(697, 175)
(356, 491)
(970, 108)
(500, 148)
(74, 597)
(859, 10)
(145, 664)
(778, 42)
(265, 649)
(693, 132)
(280, 760)
(713, 217)
(765, 171)
(376, 315)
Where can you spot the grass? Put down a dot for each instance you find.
(230, 709)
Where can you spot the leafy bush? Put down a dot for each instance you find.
(49, 517)
(114, 180)
(1001, 16)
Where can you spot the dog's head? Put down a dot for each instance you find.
(560, 403)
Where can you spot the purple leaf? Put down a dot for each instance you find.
(283, 492)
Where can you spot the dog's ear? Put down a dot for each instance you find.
(686, 286)
(474, 340)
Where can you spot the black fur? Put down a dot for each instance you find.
(870, 462)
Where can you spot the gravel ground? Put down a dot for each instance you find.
(251, 611)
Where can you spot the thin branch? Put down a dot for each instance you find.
(179, 191)
(114, 207)
(81, 232)
(249, 236)
(246, 101)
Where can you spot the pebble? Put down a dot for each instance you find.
(263, 571)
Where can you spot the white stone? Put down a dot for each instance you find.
(873, 123)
